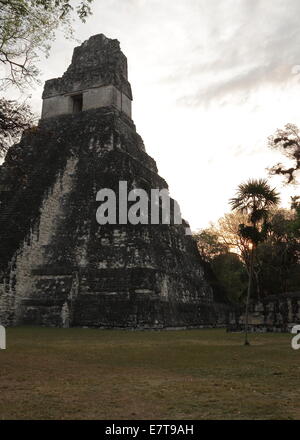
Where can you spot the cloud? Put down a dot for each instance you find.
(239, 85)
(245, 46)
(203, 55)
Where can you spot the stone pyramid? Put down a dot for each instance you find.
(59, 266)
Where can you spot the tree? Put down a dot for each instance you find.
(209, 245)
(224, 269)
(277, 258)
(14, 118)
(232, 276)
(26, 28)
(229, 234)
(287, 140)
(254, 198)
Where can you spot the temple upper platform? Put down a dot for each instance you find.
(97, 77)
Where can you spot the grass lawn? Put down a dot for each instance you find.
(104, 374)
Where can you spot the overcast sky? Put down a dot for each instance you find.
(211, 81)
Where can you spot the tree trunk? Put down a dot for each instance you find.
(248, 296)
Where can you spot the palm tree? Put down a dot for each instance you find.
(254, 198)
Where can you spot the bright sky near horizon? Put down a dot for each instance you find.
(211, 81)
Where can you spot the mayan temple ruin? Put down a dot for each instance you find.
(58, 265)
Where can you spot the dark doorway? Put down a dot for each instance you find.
(77, 103)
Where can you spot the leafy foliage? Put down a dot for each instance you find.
(254, 198)
(287, 141)
(232, 275)
(209, 244)
(276, 266)
(14, 118)
(225, 270)
(26, 28)
(278, 257)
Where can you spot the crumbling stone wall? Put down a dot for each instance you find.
(276, 313)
